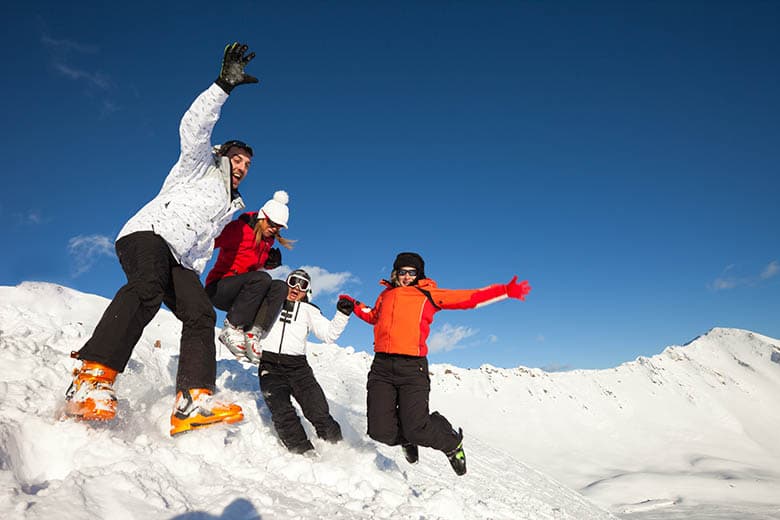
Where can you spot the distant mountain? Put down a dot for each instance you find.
(696, 424)
(688, 433)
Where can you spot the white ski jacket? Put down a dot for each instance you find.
(194, 203)
(288, 334)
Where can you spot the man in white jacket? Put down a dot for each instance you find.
(163, 250)
(284, 371)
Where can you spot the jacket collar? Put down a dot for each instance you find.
(425, 283)
(223, 163)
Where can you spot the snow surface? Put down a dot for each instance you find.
(689, 433)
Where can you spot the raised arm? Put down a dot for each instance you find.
(198, 121)
(328, 330)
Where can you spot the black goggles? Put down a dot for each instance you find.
(239, 144)
(298, 281)
(271, 223)
(410, 272)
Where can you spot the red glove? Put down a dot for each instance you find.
(517, 290)
(350, 298)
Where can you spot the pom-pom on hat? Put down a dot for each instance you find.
(276, 209)
(410, 260)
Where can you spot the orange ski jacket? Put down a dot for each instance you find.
(402, 316)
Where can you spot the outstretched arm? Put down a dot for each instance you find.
(471, 298)
(363, 312)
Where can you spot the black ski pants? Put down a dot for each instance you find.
(397, 402)
(154, 277)
(251, 298)
(282, 377)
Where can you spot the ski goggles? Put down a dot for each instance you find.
(410, 272)
(300, 282)
(239, 144)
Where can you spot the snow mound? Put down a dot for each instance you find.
(51, 467)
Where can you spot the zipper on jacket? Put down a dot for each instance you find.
(284, 327)
(292, 319)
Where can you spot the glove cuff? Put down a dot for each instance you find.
(224, 85)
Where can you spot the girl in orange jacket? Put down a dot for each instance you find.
(398, 382)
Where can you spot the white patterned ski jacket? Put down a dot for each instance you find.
(194, 203)
(291, 328)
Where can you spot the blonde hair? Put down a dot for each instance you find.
(262, 225)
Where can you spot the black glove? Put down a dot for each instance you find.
(274, 259)
(233, 64)
(345, 306)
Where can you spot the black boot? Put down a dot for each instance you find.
(301, 448)
(411, 453)
(457, 457)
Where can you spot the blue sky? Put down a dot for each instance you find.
(623, 157)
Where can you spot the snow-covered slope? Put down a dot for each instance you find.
(694, 428)
(688, 433)
(131, 468)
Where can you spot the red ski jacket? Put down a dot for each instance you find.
(238, 253)
(402, 316)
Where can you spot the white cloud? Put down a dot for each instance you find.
(726, 281)
(492, 338)
(540, 338)
(720, 284)
(73, 60)
(770, 270)
(68, 45)
(85, 250)
(94, 78)
(325, 282)
(449, 337)
(109, 107)
(32, 217)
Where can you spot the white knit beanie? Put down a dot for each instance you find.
(276, 208)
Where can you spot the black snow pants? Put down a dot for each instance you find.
(397, 401)
(251, 298)
(283, 376)
(154, 277)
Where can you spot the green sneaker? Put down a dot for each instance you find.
(457, 457)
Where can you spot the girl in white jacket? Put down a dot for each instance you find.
(284, 371)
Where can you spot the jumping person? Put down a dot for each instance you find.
(238, 283)
(163, 250)
(284, 371)
(398, 382)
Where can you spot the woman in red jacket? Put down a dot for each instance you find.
(398, 382)
(237, 283)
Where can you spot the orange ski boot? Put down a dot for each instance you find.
(197, 408)
(91, 394)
